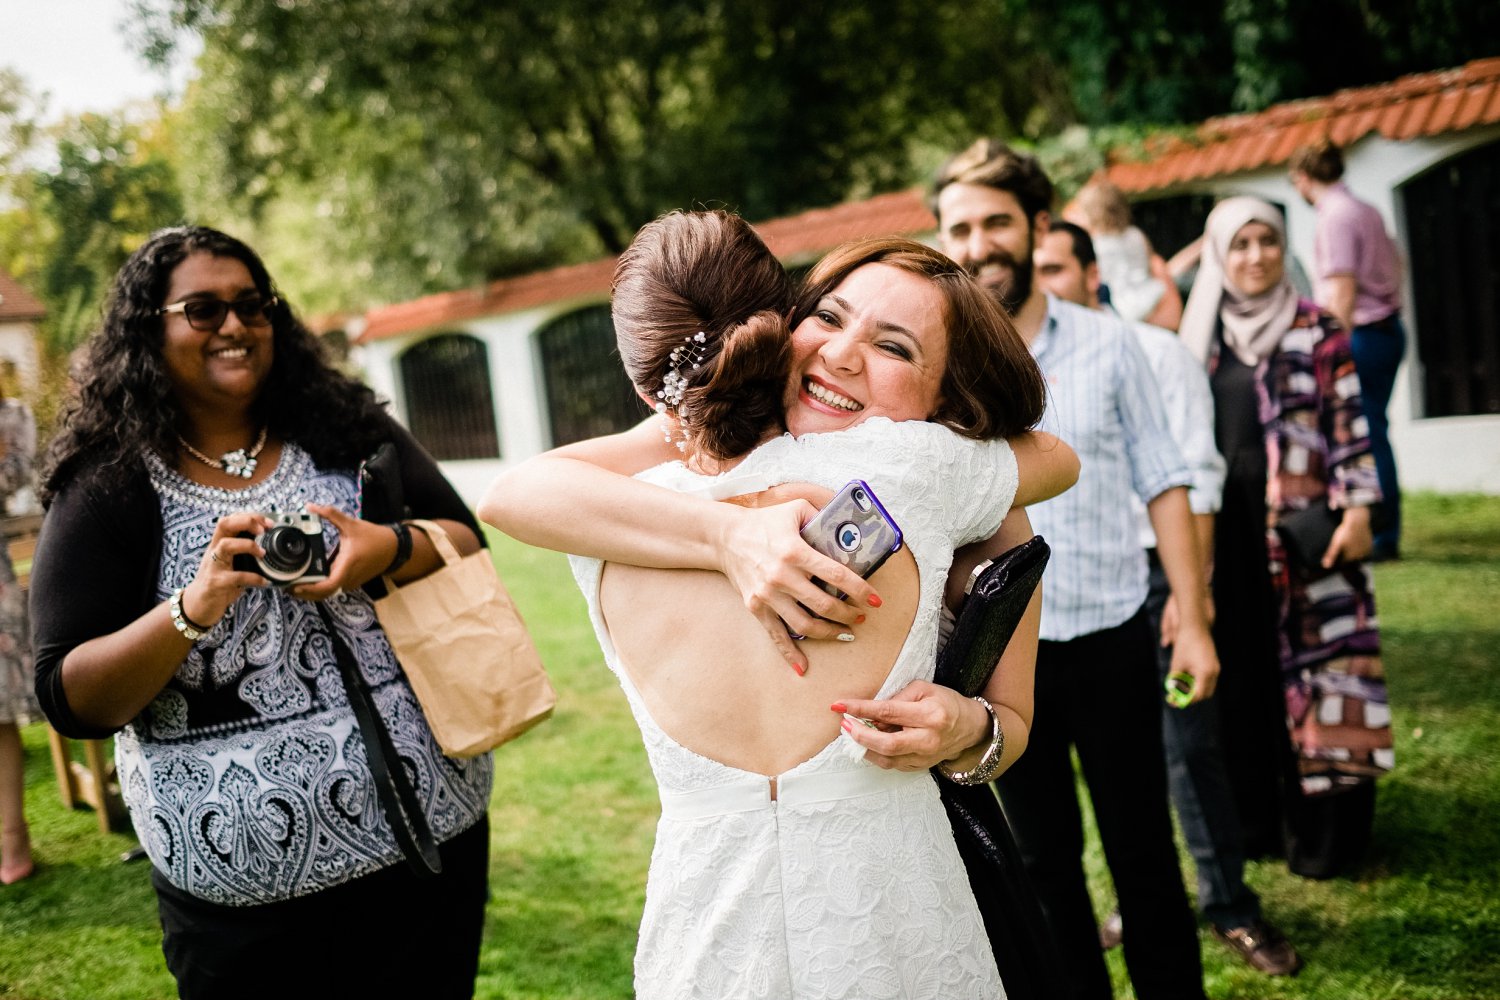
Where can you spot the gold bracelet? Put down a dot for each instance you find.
(989, 764)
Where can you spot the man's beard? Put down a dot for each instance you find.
(1014, 293)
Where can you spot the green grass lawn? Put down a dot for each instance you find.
(574, 810)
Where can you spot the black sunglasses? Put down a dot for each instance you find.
(208, 315)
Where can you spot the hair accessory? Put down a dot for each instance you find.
(240, 462)
(982, 772)
(189, 628)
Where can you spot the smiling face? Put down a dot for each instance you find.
(986, 230)
(876, 345)
(1255, 260)
(223, 368)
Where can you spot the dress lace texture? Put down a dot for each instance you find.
(246, 778)
(849, 885)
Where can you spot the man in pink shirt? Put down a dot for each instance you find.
(1359, 281)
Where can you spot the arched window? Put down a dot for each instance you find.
(1453, 230)
(449, 405)
(588, 393)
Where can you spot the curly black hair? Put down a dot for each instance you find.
(124, 404)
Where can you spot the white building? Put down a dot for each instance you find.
(501, 372)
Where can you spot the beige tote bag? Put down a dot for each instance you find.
(465, 651)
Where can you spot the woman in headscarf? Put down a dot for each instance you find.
(1302, 692)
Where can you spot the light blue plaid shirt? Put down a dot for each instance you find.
(1102, 399)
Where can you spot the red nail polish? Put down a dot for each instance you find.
(847, 726)
(839, 707)
(860, 620)
(801, 670)
(875, 601)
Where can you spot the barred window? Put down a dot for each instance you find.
(588, 393)
(449, 404)
(1453, 230)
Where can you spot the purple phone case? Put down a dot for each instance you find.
(880, 536)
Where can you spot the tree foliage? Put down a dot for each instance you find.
(496, 137)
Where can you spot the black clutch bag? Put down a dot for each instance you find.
(998, 593)
(1307, 533)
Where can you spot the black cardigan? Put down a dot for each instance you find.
(97, 560)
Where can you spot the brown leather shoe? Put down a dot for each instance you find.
(1263, 947)
(1112, 931)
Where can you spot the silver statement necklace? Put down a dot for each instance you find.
(240, 462)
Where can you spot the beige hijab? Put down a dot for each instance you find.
(1253, 324)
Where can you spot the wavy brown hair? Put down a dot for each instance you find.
(992, 387)
(707, 271)
(123, 403)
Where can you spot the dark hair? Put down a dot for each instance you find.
(708, 272)
(994, 164)
(992, 386)
(124, 403)
(1083, 243)
(1321, 160)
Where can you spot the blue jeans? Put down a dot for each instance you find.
(1378, 348)
(1200, 790)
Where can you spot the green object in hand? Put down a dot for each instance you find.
(1179, 690)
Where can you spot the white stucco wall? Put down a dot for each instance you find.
(516, 385)
(1445, 454)
(18, 344)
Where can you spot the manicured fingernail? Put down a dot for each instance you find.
(846, 637)
(838, 706)
(800, 668)
(875, 601)
(846, 725)
(860, 620)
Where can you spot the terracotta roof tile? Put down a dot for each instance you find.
(1422, 104)
(792, 237)
(16, 303)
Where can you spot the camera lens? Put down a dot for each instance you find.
(286, 550)
(848, 536)
(861, 498)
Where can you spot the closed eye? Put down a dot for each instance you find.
(895, 350)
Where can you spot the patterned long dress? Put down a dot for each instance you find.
(1318, 450)
(1302, 676)
(17, 683)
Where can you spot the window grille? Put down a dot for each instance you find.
(449, 404)
(588, 393)
(1453, 230)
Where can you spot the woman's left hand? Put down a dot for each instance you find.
(365, 550)
(1352, 540)
(919, 727)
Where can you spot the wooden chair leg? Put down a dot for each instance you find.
(99, 774)
(62, 767)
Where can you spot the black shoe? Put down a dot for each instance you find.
(1112, 931)
(1262, 946)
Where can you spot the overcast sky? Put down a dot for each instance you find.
(76, 51)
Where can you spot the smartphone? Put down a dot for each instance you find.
(855, 530)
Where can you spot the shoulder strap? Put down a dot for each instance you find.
(398, 799)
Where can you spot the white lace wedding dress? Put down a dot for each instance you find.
(849, 883)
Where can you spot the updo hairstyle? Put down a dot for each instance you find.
(992, 387)
(706, 272)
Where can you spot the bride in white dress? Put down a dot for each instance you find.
(787, 864)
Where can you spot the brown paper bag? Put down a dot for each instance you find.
(465, 651)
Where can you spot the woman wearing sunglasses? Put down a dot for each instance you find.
(204, 405)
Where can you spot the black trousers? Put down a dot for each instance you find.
(391, 933)
(1099, 694)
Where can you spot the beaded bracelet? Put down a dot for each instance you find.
(189, 628)
(403, 547)
(989, 764)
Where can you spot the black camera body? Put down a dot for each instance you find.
(294, 550)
